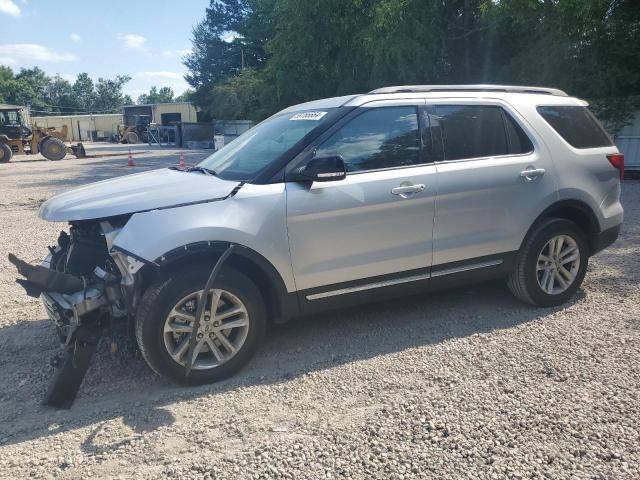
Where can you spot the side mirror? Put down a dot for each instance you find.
(323, 169)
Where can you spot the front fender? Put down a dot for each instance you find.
(254, 218)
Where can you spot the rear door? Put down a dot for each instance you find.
(493, 178)
(373, 228)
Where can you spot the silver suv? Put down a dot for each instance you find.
(332, 203)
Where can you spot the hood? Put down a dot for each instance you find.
(163, 188)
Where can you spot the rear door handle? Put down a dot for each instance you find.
(530, 173)
(404, 189)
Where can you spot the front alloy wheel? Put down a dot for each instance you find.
(221, 334)
(233, 324)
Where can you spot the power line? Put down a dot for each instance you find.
(73, 109)
(76, 112)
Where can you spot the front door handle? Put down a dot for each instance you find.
(531, 173)
(405, 189)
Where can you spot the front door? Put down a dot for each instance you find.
(373, 228)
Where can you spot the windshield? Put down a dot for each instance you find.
(11, 117)
(255, 149)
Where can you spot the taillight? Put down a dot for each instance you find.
(617, 160)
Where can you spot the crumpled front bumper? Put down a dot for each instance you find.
(67, 310)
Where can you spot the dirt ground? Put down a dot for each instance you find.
(463, 384)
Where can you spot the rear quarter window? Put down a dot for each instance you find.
(576, 125)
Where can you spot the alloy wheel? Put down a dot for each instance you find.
(558, 264)
(221, 334)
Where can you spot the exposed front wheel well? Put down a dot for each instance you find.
(280, 305)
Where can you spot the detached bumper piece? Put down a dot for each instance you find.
(78, 307)
(70, 369)
(40, 279)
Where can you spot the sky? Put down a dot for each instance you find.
(143, 39)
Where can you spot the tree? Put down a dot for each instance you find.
(299, 50)
(586, 47)
(243, 96)
(84, 92)
(186, 96)
(164, 95)
(59, 95)
(6, 76)
(32, 84)
(231, 37)
(109, 96)
(55, 95)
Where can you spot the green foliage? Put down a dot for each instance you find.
(31, 87)
(186, 96)
(84, 92)
(230, 37)
(298, 50)
(242, 96)
(109, 92)
(164, 95)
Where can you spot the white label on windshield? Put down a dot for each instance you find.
(308, 116)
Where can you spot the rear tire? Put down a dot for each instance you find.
(544, 277)
(132, 138)
(53, 148)
(5, 153)
(160, 331)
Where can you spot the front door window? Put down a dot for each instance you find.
(383, 137)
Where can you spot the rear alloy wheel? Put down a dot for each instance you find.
(551, 264)
(558, 264)
(232, 326)
(5, 153)
(53, 149)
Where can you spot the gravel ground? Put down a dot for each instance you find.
(466, 384)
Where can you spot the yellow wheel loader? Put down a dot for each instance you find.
(17, 137)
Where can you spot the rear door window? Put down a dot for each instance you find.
(476, 131)
(519, 142)
(576, 125)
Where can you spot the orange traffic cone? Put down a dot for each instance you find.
(182, 164)
(130, 162)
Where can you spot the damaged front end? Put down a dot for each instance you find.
(85, 286)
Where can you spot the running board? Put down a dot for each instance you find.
(398, 281)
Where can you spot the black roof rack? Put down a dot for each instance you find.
(470, 88)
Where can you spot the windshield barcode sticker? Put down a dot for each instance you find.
(308, 116)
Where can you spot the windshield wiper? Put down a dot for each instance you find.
(206, 171)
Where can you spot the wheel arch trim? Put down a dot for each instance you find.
(282, 304)
(560, 209)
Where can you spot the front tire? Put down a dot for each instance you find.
(53, 148)
(551, 265)
(226, 339)
(5, 153)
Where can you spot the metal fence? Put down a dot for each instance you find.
(228, 130)
(201, 135)
(197, 135)
(628, 142)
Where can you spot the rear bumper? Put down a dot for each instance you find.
(605, 238)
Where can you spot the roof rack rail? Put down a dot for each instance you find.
(471, 88)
